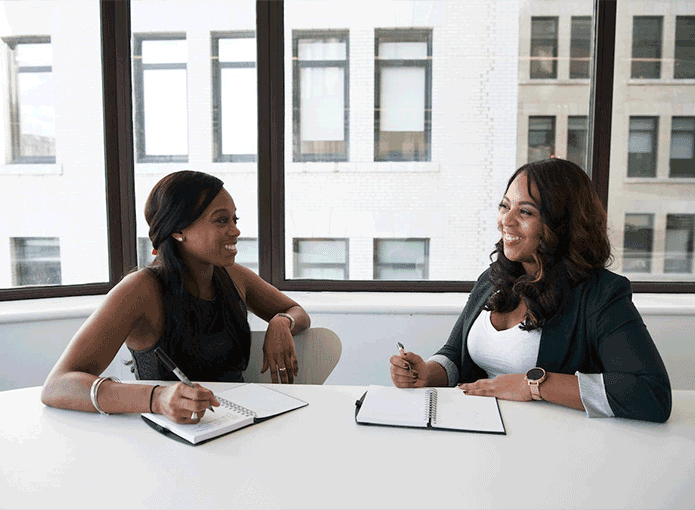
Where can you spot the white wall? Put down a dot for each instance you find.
(368, 324)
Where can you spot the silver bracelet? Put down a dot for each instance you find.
(287, 316)
(94, 392)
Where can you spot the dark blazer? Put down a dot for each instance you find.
(597, 330)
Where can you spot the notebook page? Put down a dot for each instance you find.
(458, 411)
(387, 405)
(265, 402)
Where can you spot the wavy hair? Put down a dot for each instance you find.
(573, 245)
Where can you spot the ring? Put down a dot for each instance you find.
(282, 369)
(194, 415)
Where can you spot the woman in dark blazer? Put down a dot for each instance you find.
(546, 320)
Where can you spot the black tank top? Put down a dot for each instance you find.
(218, 351)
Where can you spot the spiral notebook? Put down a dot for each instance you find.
(240, 406)
(435, 408)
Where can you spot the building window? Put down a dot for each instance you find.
(682, 162)
(320, 99)
(31, 109)
(544, 48)
(541, 138)
(35, 261)
(685, 47)
(678, 256)
(401, 259)
(161, 98)
(580, 47)
(641, 147)
(576, 140)
(638, 243)
(234, 115)
(402, 95)
(247, 253)
(646, 46)
(321, 259)
(145, 255)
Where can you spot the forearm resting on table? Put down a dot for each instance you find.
(562, 389)
(71, 391)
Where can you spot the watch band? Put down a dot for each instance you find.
(287, 316)
(534, 383)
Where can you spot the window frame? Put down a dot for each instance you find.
(119, 156)
(425, 266)
(679, 50)
(403, 35)
(691, 132)
(575, 24)
(635, 61)
(297, 66)
(538, 60)
(654, 132)
(328, 265)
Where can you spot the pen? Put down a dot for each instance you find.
(401, 350)
(166, 360)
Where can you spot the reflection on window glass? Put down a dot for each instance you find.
(36, 261)
(685, 47)
(639, 239)
(646, 47)
(320, 97)
(401, 259)
(323, 259)
(403, 92)
(544, 47)
(234, 96)
(161, 104)
(682, 160)
(678, 257)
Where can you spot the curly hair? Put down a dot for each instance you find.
(574, 243)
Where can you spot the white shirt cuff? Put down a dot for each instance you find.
(452, 371)
(592, 391)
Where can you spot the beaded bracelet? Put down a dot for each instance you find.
(94, 392)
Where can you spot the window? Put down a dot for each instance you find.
(678, 256)
(247, 253)
(402, 95)
(541, 138)
(580, 47)
(685, 47)
(543, 47)
(324, 259)
(161, 98)
(646, 47)
(682, 162)
(234, 96)
(401, 259)
(35, 261)
(31, 108)
(576, 140)
(641, 142)
(320, 95)
(145, 255)
(638, 244)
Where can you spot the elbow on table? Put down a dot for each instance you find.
(648, 399)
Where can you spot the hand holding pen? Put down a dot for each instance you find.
(408, 370)
(401, 351)
(167, 362)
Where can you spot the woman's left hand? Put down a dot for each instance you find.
(278, 352)
(506, 387)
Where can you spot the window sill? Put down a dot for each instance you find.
(32, 169)
(346, 303)
(364, 167)
(660, 180)
(661, 81)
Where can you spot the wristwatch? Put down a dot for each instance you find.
(534, 378)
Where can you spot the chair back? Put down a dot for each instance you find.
(318, 351)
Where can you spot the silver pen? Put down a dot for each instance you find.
(401, 351)
(166, 360)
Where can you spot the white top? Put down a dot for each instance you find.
(317, 457)
(515, 351)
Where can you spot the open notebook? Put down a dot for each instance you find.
(436, 408)
(240, 406)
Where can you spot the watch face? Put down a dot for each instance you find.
(534, 374)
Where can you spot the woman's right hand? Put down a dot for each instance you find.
(400, 375)
(178, 402)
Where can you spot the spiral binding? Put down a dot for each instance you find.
(235, 407)
(431, 412)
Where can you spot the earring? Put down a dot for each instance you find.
(179, 239)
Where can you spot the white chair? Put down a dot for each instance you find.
(318, 351)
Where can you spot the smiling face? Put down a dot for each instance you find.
(211, 239)
(520, 222)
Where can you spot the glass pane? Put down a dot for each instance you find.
(438, 101)
(180, 102)
(53, 222)
(650, 218)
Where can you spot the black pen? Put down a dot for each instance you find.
(166, 360)
(401, 350)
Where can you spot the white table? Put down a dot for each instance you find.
(318, 457)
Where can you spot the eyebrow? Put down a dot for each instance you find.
(522, 203)
(221, 209)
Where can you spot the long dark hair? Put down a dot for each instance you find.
(574, 243)
(175, 202)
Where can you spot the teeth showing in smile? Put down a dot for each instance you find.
(510, 238)
(230, 247)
